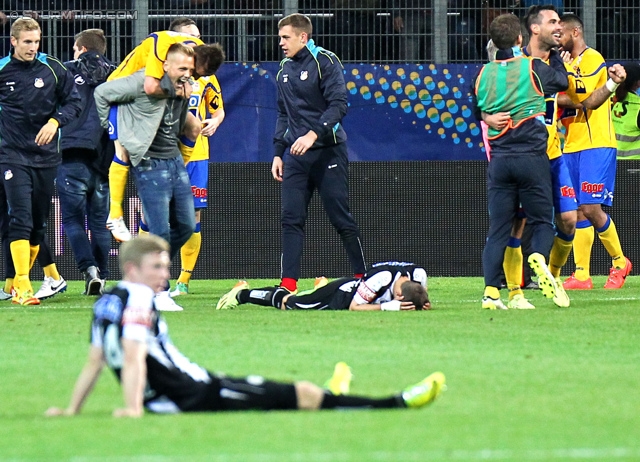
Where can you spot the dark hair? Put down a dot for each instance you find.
(297, 21)
(572, 19)
(533, 15)
(209, 57)
(92, 40)
(181, 22)
(505, 30)
(633, 75)
(413, 292)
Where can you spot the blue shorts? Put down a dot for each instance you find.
(113, 123)
(199, 175)
(564, 195)
(593, 174)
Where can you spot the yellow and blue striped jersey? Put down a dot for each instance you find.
(587, 129)
(205, 99)
(151, 54)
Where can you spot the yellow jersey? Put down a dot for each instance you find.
(587, 129)
(205, 99)
(151, 54)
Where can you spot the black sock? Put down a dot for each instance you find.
(345, 401)
(267, 296)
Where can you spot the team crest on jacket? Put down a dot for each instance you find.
(304, 75)
(38, 82)
(8, 175)
(78, 79)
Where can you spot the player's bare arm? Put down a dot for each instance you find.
(133, 377)
(84, 384)
(617, 75)
(192, 127)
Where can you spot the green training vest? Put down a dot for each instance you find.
(625, 123)
(507, 86)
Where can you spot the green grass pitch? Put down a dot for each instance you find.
(544, 385)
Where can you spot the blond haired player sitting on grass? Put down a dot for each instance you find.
(130, 336)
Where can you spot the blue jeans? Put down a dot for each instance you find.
(167, 202)
(83, 193)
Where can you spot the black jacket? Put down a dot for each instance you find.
(531, 136)
(85, 132)
(311, 96)
(30, 94)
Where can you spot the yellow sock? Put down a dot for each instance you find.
(20, 255)
(608, 234)
(118, 175)
(559, 253)
(189, 256)
(33, 254)
(492, 292)
(8, 284)
(512, 266)
(51, 271)
(582, 244)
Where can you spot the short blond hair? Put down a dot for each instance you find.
(136, 249)
(23, 24)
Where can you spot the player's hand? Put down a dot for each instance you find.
(209, 127)
(183, 89)
(566, 56)
(407, 306)
(617, 73)
(127, 412)
(497, 121)
(46, 133)
(276, 168)
(302, 144)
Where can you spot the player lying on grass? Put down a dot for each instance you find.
(131, 338)
(389, 286)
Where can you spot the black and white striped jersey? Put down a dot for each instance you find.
(376, 286)
(173, 382)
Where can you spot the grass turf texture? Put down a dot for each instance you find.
(549, 384)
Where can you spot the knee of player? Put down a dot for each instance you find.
(309, 395)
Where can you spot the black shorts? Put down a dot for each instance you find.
(245, 394)
(336, 295)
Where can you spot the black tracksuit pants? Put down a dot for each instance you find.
(327, 170)
(512, 180)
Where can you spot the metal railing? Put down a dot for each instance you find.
(385, 31)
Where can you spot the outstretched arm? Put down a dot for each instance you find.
(133, 377)
(84, 385)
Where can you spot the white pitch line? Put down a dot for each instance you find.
(386, 456)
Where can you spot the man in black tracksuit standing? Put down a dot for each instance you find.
(312, 100)
(37, 97)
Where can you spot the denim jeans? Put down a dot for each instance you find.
(83, 193)
(164, 189)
